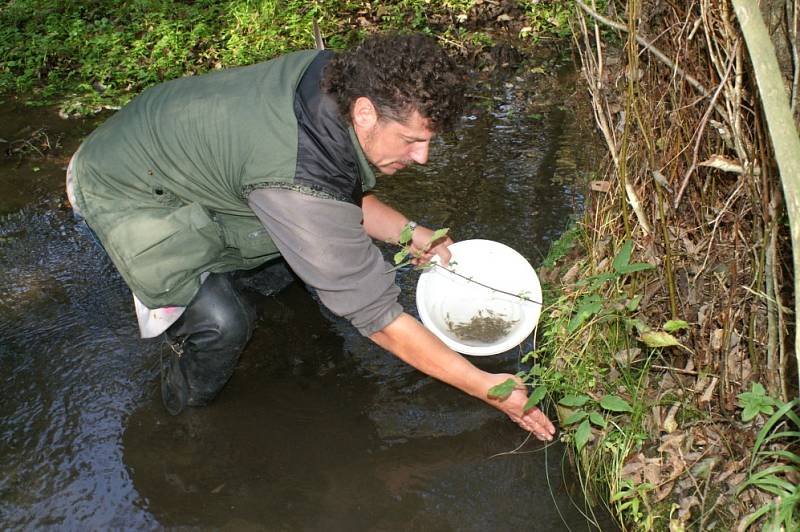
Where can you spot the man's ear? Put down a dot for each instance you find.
(364, 113)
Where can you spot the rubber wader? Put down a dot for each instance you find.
(205, 343)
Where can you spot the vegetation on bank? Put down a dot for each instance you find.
(668, 342)
(88, 55)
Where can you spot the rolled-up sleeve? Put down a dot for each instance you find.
(324, 242)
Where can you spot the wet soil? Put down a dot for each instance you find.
(319, 429)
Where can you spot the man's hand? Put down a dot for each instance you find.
(534, 420)
(416, 345)
(423, 250)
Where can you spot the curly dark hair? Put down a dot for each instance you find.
(399, 73)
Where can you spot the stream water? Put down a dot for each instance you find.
(319, 429)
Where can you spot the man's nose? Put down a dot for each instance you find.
(419, 153)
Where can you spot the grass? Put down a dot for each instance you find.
(88, 55)
(774, 466)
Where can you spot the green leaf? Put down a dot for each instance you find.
(575, 417)
(400, 255)
(640, 326)
(615, 403)
(622, 259)
(574, 400)
(439, 233)
(749, 412)
(756, 401)
(635, 267)
(583, 434)
(756, 390)
(535, 398)
(659, 339)
(633, 304)
(675, 325)
(595, 280)
(502, 390)
(597, 419)
(624, 256)
(584, 312)
(405, 235)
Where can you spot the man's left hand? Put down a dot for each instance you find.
(423, 249)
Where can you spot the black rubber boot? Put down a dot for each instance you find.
(205, 343)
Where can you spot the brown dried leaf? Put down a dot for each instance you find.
(702, 315)
(672, 442)
(626, 357)
(653, 470)
(709, 392)
(716, 339)
(571, 274)
(600, 186)
(722, 163)
(686, 505)
(663, 490)
(632, 470)
(669, 424)
(730, 469)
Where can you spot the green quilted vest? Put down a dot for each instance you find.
(164, 181)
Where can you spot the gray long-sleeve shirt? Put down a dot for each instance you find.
(324, 242)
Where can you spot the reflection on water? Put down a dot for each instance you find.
(319, 429)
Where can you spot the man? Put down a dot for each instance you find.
(206, 175)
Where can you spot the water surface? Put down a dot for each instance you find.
(319, 429)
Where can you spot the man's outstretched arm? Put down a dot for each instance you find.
(325, 244)
(413, 343)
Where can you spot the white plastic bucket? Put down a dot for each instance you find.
(450, 297)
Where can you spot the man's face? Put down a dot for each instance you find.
(392, 145)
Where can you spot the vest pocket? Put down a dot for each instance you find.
(247, 236)
(161, 250)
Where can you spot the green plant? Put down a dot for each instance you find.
(755, 402)
(406, 255)
(550, 19)
(629, 500)
(589, 414)
(774, 465)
